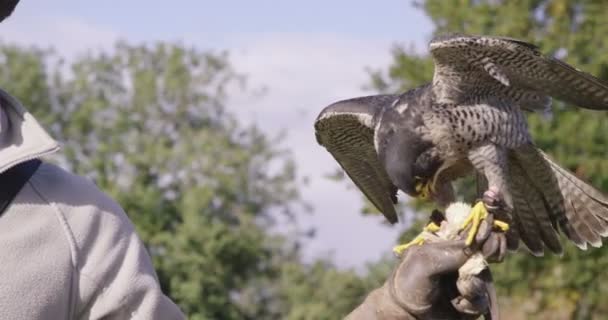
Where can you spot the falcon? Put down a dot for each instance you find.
(471, 120)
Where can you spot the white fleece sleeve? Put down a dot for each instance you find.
(125, 288)
(112, 273)
(116, 276)
(117, 279)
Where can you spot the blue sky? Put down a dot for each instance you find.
(304, 54)
(141, 19)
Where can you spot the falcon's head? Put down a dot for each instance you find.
(378, 148)
(410, 161)
(404, 157)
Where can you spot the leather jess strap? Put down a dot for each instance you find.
(13, 180)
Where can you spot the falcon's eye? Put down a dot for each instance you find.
(388, 136)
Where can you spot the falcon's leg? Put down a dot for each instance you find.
(419, 240)
(491, 160)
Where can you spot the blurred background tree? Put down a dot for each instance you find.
(573, 286)
(149, 125)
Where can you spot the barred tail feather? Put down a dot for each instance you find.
(576, 208)
(593, 205)
(531, 211)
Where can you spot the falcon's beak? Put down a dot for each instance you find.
(424, 189)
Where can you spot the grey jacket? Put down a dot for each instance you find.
(67, 251)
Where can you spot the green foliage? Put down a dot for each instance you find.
(574, 285)
(149, 125)
(335, 292)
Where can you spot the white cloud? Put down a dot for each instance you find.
(68, 36)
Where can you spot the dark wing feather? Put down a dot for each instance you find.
(470, 67)
(345, 129)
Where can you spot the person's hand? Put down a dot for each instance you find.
(423, 285)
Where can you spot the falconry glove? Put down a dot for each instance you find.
(425, 284)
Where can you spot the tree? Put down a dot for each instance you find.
(573, 286)
(149, 125)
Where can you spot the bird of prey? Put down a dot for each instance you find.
(470, 120)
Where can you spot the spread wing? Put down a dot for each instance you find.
(346, 130)
(469, 67)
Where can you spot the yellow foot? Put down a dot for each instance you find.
(419, 240)
(478, 213)
(432, 227)
(398, 250)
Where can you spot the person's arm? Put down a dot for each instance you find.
(124, 285)
(117, 279)
(112, 273)
(380, 305)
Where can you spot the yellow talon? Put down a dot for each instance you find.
(478, 213)
(503, 226)
(419, 240)
(432, 227)
(398, 250)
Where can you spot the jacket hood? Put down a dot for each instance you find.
(23, 138)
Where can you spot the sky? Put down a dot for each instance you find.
(303, 55)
